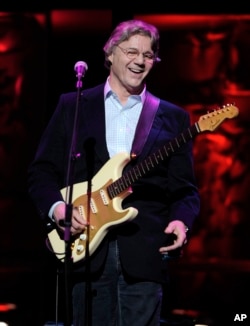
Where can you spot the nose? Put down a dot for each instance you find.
(140, 58)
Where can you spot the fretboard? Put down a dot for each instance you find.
(151, 162)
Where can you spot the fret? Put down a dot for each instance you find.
(183, 138)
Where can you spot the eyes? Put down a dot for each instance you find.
(133, 53)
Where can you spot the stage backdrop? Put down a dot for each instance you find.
(204, 65)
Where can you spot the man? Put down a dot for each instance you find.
(128, 267)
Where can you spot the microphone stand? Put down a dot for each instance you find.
(69, 206)
(89, 148)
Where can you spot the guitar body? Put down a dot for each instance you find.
(103, 213)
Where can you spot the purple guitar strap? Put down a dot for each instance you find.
(145, 122)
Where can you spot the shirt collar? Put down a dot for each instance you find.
(108, 91)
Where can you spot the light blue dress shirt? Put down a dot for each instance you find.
(121, 120)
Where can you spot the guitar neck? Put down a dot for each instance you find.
(152, 161)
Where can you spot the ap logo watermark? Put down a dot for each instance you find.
(240, 317)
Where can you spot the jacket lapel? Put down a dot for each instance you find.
(145, 123)
(93, 104)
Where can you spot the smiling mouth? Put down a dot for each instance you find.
(136, 71)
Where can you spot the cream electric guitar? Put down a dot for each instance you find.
(110, 187)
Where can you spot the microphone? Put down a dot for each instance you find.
(80, 68)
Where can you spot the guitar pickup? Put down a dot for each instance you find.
(104, 197)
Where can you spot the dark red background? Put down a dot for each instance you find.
(205, 65)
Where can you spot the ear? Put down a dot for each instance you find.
(110, 58)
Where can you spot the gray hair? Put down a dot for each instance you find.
(125, 30)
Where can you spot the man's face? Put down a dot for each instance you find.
(131, 62)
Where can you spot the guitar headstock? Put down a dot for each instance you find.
(213, 119)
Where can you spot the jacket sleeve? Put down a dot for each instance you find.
(46, 173)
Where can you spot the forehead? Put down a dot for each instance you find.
(137, 41)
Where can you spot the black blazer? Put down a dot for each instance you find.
(167, 193)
